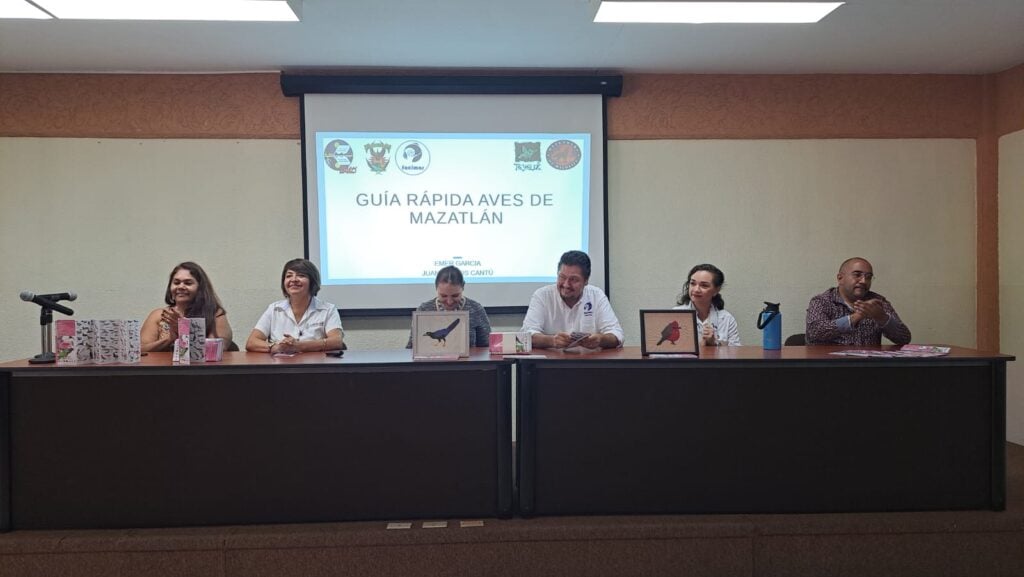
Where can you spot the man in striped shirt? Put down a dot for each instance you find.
(850, 314)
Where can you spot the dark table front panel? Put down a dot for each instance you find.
(193, 446)
(651, 436)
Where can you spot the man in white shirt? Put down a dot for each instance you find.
(572, 306)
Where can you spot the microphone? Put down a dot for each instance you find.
(50, 301)
(68, 296)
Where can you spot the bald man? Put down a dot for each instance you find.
(850, 314)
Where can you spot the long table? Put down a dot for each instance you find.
(254, 439)
(743, 430)
(375, 435)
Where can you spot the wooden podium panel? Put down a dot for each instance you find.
(258, 440)
(752, 431)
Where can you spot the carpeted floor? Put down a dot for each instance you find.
(954, 544)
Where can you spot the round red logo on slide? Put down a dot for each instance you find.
(563, 154)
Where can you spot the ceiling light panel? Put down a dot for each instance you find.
(714, 12)
(20, 9)
(220, 10)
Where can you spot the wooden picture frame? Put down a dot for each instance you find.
(440, 334)
(669, 332)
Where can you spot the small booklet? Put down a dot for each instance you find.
(191, 343)
(510, 343)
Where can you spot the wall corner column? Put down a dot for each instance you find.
(987, 206)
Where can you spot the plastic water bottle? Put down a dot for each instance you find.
(770, 321)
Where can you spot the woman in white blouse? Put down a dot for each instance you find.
(300, 322)
(701, 293)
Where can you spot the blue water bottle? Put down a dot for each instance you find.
(770, 321)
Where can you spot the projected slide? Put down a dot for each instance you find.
(394, 207)
(397, 186)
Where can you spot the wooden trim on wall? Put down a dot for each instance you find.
(987, 215)
(660, 106)
(1009, 95)
(147, 106)
(653, 106)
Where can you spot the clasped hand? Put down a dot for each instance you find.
(872, 309)
(287, 345)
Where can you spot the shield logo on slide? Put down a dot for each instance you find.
(379, 156)
(563, 154)
(338, 156)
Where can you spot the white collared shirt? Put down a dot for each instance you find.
(320, 318)
(727, 332)
(548, 314)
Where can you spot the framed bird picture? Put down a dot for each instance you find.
(668, 332)
(440, 334)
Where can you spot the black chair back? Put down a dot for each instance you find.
(797, 340)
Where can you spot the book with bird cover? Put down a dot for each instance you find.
(191, 343)
(440, 334)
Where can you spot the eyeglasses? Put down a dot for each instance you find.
(570, 279)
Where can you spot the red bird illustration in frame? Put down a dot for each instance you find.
(670, 333)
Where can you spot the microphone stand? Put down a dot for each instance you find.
(46, 337)
(46, 308)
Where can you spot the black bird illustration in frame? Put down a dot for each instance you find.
(441, 334)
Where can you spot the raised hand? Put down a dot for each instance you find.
(708, 334)
(169, 323)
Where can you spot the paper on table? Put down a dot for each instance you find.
(925, 349)
(893, 354)
(454, 357)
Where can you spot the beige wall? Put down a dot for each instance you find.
(1011, 276)
(779, 216)
(109, 218)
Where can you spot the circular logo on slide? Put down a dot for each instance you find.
(338, 156)
(563, 154)
(413, 157)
